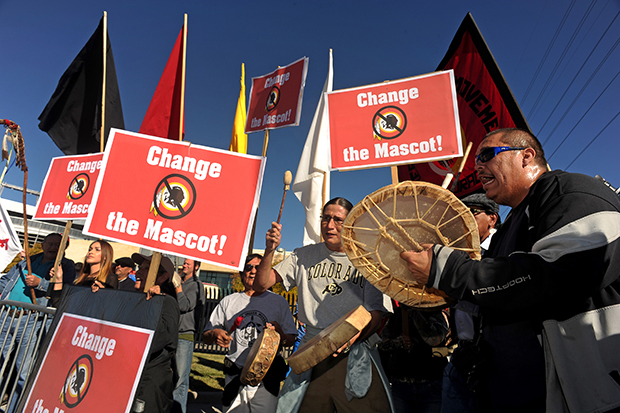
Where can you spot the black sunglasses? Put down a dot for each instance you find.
(249, 267)
(491, 152)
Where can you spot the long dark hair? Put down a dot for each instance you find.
(105, 266)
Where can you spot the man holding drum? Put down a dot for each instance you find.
(236, 323)
(556, 256)
(329, 286)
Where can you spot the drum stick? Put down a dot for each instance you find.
(461, 166)
(288, 177)
(447, 180)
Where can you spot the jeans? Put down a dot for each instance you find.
(20, 336)
(185, 352)
(456, 396)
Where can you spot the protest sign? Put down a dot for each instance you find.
(175, 197)
(275, 98)
(404, 121)
(68, 187)
(83, 359)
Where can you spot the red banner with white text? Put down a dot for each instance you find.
(407, 120)
(175, 197)
(84, 357)
(68, 187)
(275, 98)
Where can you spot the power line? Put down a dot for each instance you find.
(581, 92)
(542, 62)
(561, 59)
(531, 36)
(592, 141)
(577, 74)
(583, 116)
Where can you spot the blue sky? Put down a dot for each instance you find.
(372, 42)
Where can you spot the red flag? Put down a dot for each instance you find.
(164, 113)
(485, 103)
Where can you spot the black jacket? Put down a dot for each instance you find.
(557, 255)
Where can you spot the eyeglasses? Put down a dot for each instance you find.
(491, 152)
(249, 267)
(337, 220)
(476, 211)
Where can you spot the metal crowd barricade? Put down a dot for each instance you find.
(213, 298)
(22, 329)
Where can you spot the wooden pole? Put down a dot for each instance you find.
(253, 233)
(461, 166)
(103, 87)
(153, 269)
(33, 297)
(265, 142)
(59, 255)
(20, 161)
(61, 250)
(184, 52)
(394, 174)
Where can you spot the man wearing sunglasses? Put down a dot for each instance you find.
(235, 324)
(557, 255)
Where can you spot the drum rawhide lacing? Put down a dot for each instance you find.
(401, 217)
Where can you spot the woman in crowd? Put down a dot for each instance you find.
(97, 269)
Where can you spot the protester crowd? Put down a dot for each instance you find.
(555, 257)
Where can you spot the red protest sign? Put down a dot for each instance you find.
(275, 98)
(177, 198)
(85, 355)
(68, 187)
(404, 121)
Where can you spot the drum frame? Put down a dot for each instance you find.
(366, 257)
(261, 355)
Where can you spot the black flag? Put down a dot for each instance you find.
(72, 117)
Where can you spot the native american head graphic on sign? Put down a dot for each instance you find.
(79, 186)
(174, 197)
(78, 381)
(389, 123)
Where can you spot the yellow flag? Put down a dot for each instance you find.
(239, 141)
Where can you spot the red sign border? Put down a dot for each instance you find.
(151, 334)
(404, 162)
(299, 100)
(246, 243)
(49, 170)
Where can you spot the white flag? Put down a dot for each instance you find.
(313, 170)
(10, 245)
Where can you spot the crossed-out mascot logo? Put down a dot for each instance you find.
(77, 382)
(272, 99)
(79, 186)
(389, 122)
(174, 197)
